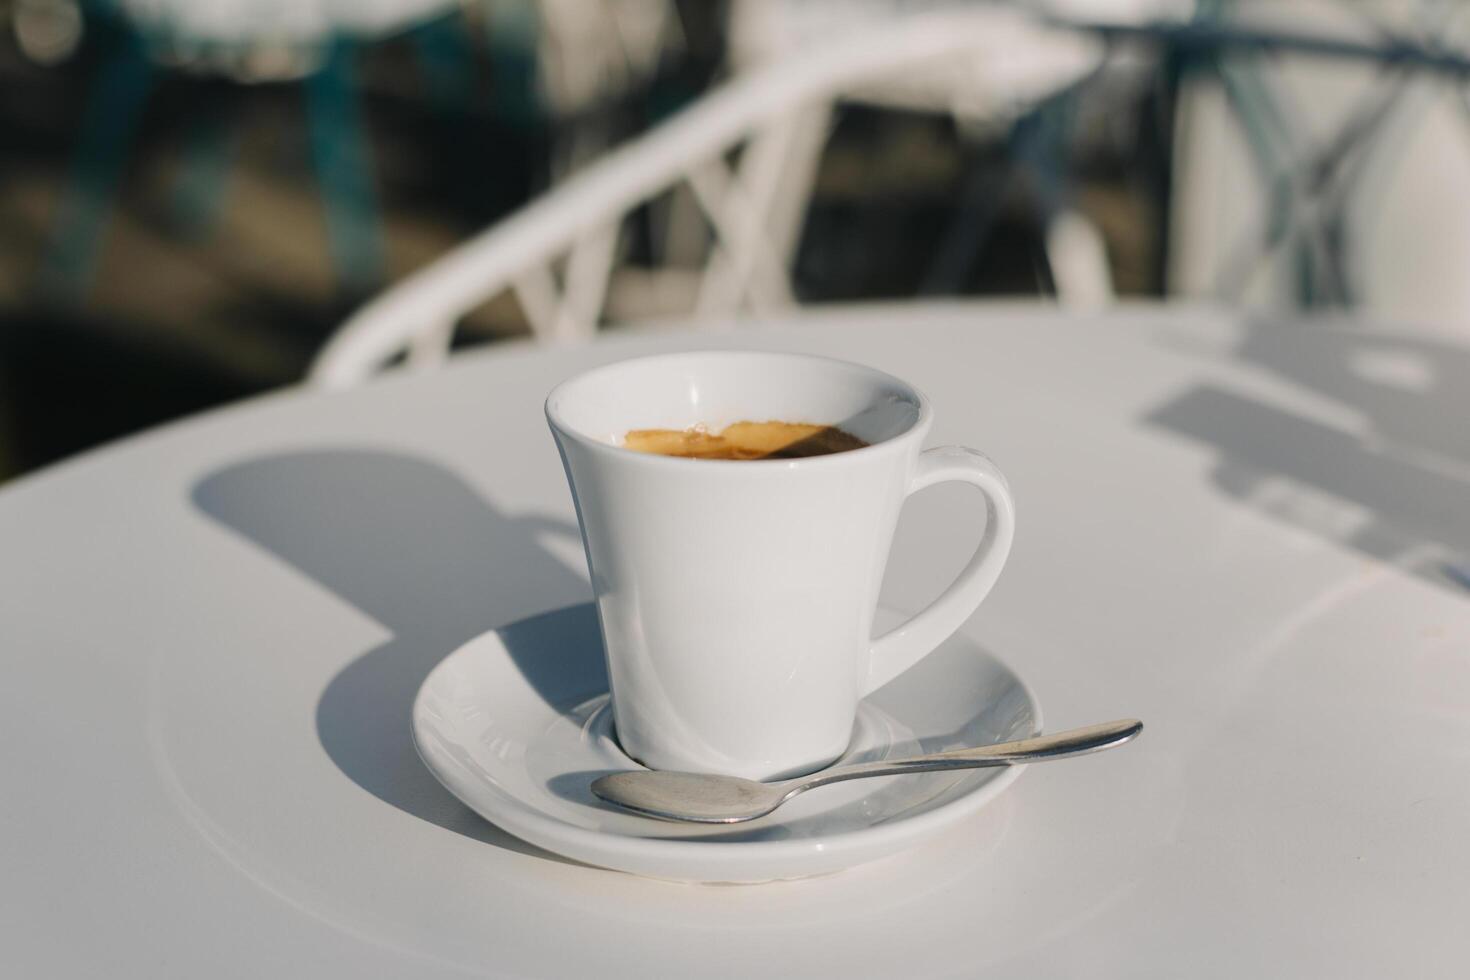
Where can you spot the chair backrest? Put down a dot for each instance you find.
(774, 114)
(1010, 78)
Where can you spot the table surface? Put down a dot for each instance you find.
(1244, 531)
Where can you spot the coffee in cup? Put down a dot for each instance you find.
(745, 440)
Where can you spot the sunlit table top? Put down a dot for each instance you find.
(1245, 531)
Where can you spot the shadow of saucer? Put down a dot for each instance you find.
(412, 545)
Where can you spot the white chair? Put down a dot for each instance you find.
(765, 30)
(1310, 181)
(767, 113)
(589, 54)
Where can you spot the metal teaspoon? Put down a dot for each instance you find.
(702, 798)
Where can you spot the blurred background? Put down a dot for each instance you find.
(195, 194)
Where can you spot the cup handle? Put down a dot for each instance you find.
(900, 648)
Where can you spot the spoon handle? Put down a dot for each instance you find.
(1039, 748)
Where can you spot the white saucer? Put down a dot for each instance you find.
(516, 724)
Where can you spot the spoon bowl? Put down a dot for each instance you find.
(693, 796)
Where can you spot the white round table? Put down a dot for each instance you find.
(1245, 532)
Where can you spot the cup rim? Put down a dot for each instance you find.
(916, 429)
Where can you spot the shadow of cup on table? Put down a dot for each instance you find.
(415, 547)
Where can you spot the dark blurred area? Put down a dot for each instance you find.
(190, 204)
(179, 230)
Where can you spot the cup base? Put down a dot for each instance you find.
(794, 773)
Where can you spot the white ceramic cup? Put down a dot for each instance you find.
(737, 597)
